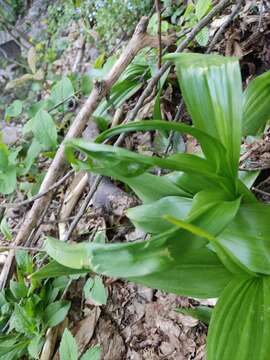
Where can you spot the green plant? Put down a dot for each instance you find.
(113, 18)
(210, 235)
(69, 349)
(27, 309)
(184, 16)
(41, 129)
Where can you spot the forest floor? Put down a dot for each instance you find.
(139, 323)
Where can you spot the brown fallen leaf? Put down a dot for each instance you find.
(84, 330)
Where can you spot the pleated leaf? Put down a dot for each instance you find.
(256, 104)
(116, 162)
(240, 323)
(213, 149)
(212, 89)
(165, 262)
(150, 187)
(149, 217)
(227, 258)
(248, 237)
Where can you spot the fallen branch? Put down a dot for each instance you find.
(139, 40)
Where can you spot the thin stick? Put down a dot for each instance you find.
(63, 101)
(224, 25)
(83, 207)
(38, 196)
(157, 4)
(261, 191)
(13, 247)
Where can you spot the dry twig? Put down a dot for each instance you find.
(157, 4)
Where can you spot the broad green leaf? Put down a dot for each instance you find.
(230, 261)
(5, 229)
(14, 351)
(68, 348)
(99, 61)
(157, 110)
(21, 322)
(86, 84)
(114, 161)
(4, 154)
(256, 104)
(202, 7)
(202, 37)
(177, 255)
(212, 90)
(149, 217)
(8, 180)
(14, 109)
(149, 187)
(35, 346)
(153, 25)
(212, 148)
(96, 291)
(62, 90)
(24, 261)
(45, 104)
(239, 327)
(100, 73)
(248, 237)
(193, 272)
(213, 215)
(19, 290)
(32, 153)
(92, 354)
(248, 177)
(190, 183)
(54, 269)
(206, 199)
(202, 313)
(243, 190)
(56, 312)
(44, 130)
(61, 282)
(100, 237)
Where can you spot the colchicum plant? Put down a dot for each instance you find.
(210, 237)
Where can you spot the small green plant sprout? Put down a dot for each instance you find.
(69, 349)
(28, 307)
(210, 236)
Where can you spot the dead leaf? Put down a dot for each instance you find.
(18, 82)
(39, 75)
(85, 328)
(32, 59)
